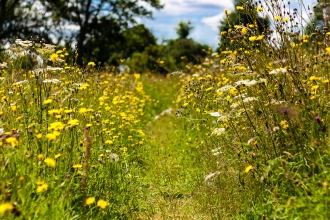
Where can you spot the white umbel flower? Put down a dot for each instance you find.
(278, 71)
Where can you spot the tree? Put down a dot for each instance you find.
(245, 14)
(20, 18)
(102, 21)
(183, 29)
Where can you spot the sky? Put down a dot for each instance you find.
(204, 15)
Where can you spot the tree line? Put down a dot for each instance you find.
(107, 31)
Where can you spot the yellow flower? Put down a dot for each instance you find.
(57, 126)
(285, 19)
(253, 38)
(284, 124)
(42, 188)
(328, 50)
(12, 141)
(102, 203)
(248, 168)
(13, 108)
(57, 156)
(83, 110)
(92, 64)
(40, 156)
(6, 207)
(226, 11)
(260, 37)
(73, 123)
(47, 101)
(276, 18)
(39, 136)
(77, 166)
(259, 9)
(90, 200)
(68, 111)
(50, 162)
(239, 8)
(51, 136)
(137, 76)
(53, 57)
(244, 30)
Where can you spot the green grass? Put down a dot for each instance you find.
(237, 144)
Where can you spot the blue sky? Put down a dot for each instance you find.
(204, 15)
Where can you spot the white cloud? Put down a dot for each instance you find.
(177, 7)
(213, 21)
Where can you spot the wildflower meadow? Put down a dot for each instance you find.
(242, 135)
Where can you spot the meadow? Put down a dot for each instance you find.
(244, 135)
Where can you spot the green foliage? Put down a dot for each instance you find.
(96, 28)
(247, 15)
(183, 29)
(19, 18)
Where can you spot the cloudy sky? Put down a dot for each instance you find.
(204, 15)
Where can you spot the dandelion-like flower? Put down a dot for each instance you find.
(248, 168)
(41, 188)
(5, 207)
(50, 162)
(102, 204)
(90, 201)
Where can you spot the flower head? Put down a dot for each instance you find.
(102, 203)
(90, 201)
(50, 162)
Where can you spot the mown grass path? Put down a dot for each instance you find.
(172, 175)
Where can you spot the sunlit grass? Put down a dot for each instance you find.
(242, 136)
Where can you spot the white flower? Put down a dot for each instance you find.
(275, 102)
(222, 118)
(262, 80)
(3, 65)
(218, 131)
(21, 82)
(277, 71)
(216, 173)
(113, 158)
(224, 88)
(2, 131)
(250, 140)
(55, 81)
(249, 99)
(26, 44)
(215, 114)
(216, 151)
(39, 71)
(235, 105)
(246, 82)
(49, 68)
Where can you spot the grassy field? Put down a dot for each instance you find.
(245, 135)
